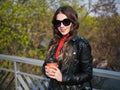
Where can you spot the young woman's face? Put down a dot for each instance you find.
(63, 24)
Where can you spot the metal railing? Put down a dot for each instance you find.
(26, 81)
(22, 80)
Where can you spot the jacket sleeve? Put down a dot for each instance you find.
(43, 68)
(85, 73)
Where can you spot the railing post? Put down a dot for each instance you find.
(16, 67)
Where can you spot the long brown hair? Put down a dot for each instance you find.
(65, 51)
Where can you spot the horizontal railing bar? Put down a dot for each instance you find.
(96, 72)
(22, 60)
(8, 70)
(34, 76)
(106, 73)
(26, 74)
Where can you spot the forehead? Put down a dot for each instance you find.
(61, 16)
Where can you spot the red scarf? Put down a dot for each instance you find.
(60, 45)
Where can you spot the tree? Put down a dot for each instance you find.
(22, 22)
(106, 46)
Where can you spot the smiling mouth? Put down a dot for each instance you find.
(62, 30)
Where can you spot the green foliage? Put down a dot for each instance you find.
(19, 22)
(89, 28)
(26, 29)
(37, 53)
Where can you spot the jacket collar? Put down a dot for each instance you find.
(75, 37)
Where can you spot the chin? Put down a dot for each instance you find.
(63, 33)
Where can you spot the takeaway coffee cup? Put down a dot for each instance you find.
(52, 62)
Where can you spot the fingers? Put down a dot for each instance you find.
(50, 71)
(53, 72)
(52, 68)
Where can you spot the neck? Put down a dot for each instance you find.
(65, 36)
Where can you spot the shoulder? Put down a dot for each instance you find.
(84, 41)
(80, 40)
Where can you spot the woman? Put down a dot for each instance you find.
(73, 53)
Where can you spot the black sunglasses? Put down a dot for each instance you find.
(65, 22)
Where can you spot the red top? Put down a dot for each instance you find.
(60, 45)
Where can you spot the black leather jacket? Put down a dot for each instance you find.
(78, 70)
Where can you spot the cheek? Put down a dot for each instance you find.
(58, 29)
(69, 28)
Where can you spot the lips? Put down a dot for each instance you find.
(62, 30)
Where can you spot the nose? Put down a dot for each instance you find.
(61, 25)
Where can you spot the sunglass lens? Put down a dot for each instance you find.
(66, 22)
(57, 23)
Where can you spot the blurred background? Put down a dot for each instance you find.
(26, 29)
